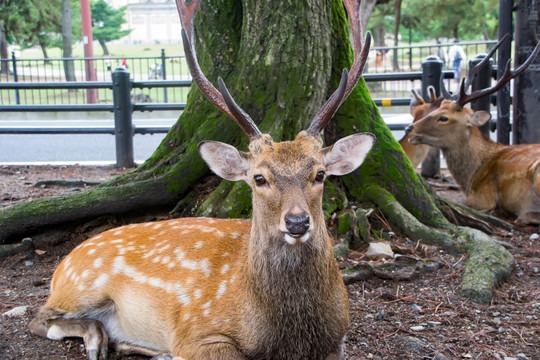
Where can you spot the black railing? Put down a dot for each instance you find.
(123, 104)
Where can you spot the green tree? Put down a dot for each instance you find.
(276, 78)
(107, 22)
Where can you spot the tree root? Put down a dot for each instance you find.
(489, 263)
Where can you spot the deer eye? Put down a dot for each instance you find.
(320, 176)
(443, 119)
(259, 180)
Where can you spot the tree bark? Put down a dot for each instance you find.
(104, 47)
(67, 41)
(4, 65)
(280, 60)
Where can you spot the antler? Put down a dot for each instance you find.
(348, 81)
(222, 100)
(463, 98)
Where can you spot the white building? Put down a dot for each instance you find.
(151, 21)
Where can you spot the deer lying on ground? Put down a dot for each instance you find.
(200, 288)
(418, 109)
(492, 175)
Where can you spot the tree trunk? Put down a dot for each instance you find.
(4, 65)
(43, 47)
(67, 40)
(395, 62)
(104, 47)
(280, 60)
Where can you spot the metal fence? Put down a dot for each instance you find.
(166, 67)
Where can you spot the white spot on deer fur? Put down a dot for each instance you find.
(203, 265)
(165, 260)
(187, 316)
(148, 254)
(148, 224)
(206, 312)
(199, 245)
(221, 289)
(98, 262)
(162, 249)
(225, 269)
(118, 232)
(157, 226)
(215, 321)
(100, 244)
(133, 226)
(91, 251)
(206, 305)
(197, 293)
(156, 259)
(185, 232)
(235, 235)
(100, 281)
(98, 237)
(117, 241)
(67, 261)
(225, 254)
(85, 274)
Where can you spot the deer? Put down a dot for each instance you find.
(418, 109)
(493, 176)
(202, 288)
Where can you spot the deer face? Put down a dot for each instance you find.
(447, 127)
(287, 178)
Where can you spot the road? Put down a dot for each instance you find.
(16, 149)
(72, 148)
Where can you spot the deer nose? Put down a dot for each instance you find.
(408, 129)
(297, 224)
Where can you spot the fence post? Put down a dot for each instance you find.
(15, 77)
(431, 75)
(482, 80)
(123, 126)
(164, 73)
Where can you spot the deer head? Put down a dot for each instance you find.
(286, 178)
(451, 124)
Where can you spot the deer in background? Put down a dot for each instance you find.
(492, 175)
(418, 109)
(200, 288)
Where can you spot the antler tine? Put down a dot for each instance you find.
(361, 52)
(508, 75)
(474, 69)
(230, 108)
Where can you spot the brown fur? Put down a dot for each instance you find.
(492, 175)
(201, 288)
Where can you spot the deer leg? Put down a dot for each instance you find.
(49, 323)
(339, 354)
(529, 218)
(125, 349)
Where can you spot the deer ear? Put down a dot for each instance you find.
(347, 154)
(225, 160)
(479, 118)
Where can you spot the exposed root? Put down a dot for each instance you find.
(489, 263)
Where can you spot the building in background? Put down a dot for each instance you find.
(152, 21)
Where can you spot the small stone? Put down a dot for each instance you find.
(496, 313)
(534, 236)
(381, 315)
(379, 250)
(74, 189)
(510, 358)
(433, 323)
(417, 328)
(16, 312)
(415, 307)
(522, 356)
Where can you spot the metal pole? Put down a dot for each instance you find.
(163, 73)
(86, 17)
(482, 80)
(15, 77)
(122, 117)
(503, 54)
(431, 75)
(526, 102)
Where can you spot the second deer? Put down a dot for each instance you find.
(492, 175)
(200, 288)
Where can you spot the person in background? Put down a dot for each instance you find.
(442, 54)
(456, 55)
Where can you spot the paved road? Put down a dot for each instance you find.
(86, 148)
(72, 148)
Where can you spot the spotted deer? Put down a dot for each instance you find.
(202, 288)
(418, 109)
(492, 175)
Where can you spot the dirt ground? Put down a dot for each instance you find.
(422, 318)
